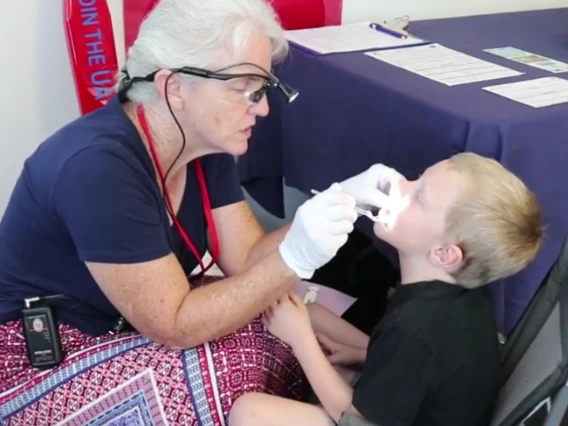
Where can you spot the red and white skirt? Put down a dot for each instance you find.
(126, 379)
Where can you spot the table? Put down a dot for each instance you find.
(354, 111)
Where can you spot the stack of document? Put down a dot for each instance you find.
(538, 93)
(347, 38)
(444, 65)
(530, 59)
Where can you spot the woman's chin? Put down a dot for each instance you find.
(238, 148)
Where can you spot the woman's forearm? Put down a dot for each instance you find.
(217, 309)
(267, 245)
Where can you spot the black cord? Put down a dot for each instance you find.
(183, 141)
(169, 208)
(77, 303)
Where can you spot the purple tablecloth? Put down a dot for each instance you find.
(354, 111)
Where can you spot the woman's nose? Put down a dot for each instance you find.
(260, 109)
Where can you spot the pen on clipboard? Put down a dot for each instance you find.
(388, 31)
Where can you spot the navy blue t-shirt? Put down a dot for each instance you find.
(89, 194)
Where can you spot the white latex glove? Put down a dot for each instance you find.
(320, 228)
(371, 188)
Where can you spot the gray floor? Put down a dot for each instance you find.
(292, 200)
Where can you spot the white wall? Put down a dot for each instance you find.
(364, 10)
(39, 94)
(38, 90)
(37, 86)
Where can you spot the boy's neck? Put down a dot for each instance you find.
(414, 270)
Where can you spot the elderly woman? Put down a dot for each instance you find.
(113, 212)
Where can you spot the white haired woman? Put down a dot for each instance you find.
(114, 211)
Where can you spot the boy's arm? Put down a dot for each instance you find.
(399, 364)
(337, 329)
(334, 394)
(340, 354)
(288, 319)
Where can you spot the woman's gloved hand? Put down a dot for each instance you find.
(371, 188)
(320, 228)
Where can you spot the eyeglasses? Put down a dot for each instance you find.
(269, 81)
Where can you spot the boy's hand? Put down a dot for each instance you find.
(288, 320)
(340, 354)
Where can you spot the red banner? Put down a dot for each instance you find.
(90, 41)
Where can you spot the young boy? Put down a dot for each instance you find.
(434, 357)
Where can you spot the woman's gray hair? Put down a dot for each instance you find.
(180, 33)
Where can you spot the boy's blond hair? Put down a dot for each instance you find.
(496, 222)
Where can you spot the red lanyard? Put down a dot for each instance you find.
(169, 205)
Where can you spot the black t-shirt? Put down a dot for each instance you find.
(432, 360)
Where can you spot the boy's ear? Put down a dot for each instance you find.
(448, 257)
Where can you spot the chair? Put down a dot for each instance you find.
(294, 14)
(348, 419)
(134, 13)
(300, 14)
(535, 357)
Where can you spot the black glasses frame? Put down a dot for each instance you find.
(270, 81)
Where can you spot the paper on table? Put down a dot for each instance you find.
(443, 65)
(530, 59)
(347, 38)
(537, 93)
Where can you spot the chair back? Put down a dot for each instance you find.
(535, 357)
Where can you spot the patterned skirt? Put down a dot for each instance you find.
(126, 379)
